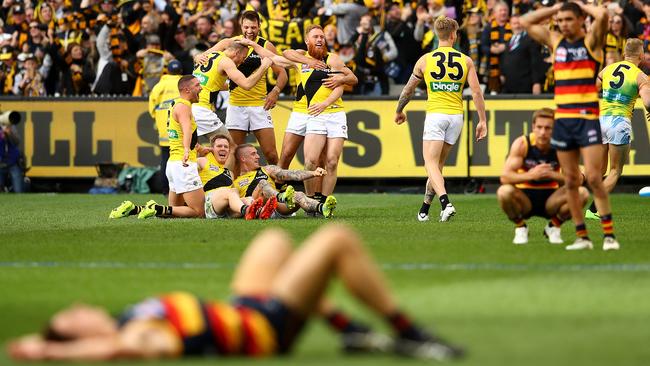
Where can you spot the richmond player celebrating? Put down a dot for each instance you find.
(445, 71)
(212, 71)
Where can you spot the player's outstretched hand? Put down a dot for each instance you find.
(400, 118)
(29, 348)
(481, 130)
(320, 172)
(316, 109)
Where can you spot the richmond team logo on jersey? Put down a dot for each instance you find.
(214, 168)
(444, 86)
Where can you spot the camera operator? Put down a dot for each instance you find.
(10, 159)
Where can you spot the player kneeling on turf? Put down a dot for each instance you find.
(531, 182)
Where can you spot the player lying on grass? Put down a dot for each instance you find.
(221, 200)
(276, 290)
(256, 181)
(531, 182)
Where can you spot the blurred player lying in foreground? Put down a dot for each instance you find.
(276, 290)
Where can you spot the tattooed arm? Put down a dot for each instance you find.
(284, 175)
(409, 90)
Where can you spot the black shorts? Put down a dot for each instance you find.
(538, 198)
(286, 323)
(574, 133)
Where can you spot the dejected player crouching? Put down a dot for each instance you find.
(531, 182)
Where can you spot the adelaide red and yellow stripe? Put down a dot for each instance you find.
(230, 330)
(575, 70)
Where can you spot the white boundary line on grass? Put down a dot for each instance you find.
(507, 267)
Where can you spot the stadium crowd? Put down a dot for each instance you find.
(111, 47)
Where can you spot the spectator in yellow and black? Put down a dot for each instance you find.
(402, 34)
(45, 14)
(521, 64)
(330, 38)
(162, 98)
(204, 26)
(375, 50)
(348, 13)
(494, 40)
(28, 81)
(616, 36)
(118, 75)
(153, 62)
(78, 71)
(474, 6)
(426, 14)
(16, 25)
(9, 69)
(470, 35)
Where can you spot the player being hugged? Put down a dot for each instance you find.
(444, 71)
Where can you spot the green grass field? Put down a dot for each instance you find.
(508, 305)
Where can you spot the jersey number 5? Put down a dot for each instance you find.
(618, 74)
(451, 64)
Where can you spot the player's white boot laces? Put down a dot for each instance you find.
(553, 234)
(521, 235)
(610, 244)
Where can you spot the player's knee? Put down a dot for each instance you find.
(340, 236)
(311, 164)
(331, 163)
(572, 180)
(594, 179)
(506, 191)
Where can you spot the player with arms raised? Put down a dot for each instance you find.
(577, 57)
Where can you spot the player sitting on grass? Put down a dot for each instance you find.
(531, 182)
(252, 174)
(179, 324)
(221, 200)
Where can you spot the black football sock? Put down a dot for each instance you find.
(343, 324)
(592, 207)
(319, 208)
(323, 198)
(243, 209)
(405, 327)
(163, 211)
(444, 201)
(425, 208)
(136, 210)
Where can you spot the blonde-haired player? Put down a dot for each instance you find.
(622, 83)
(444, 71)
